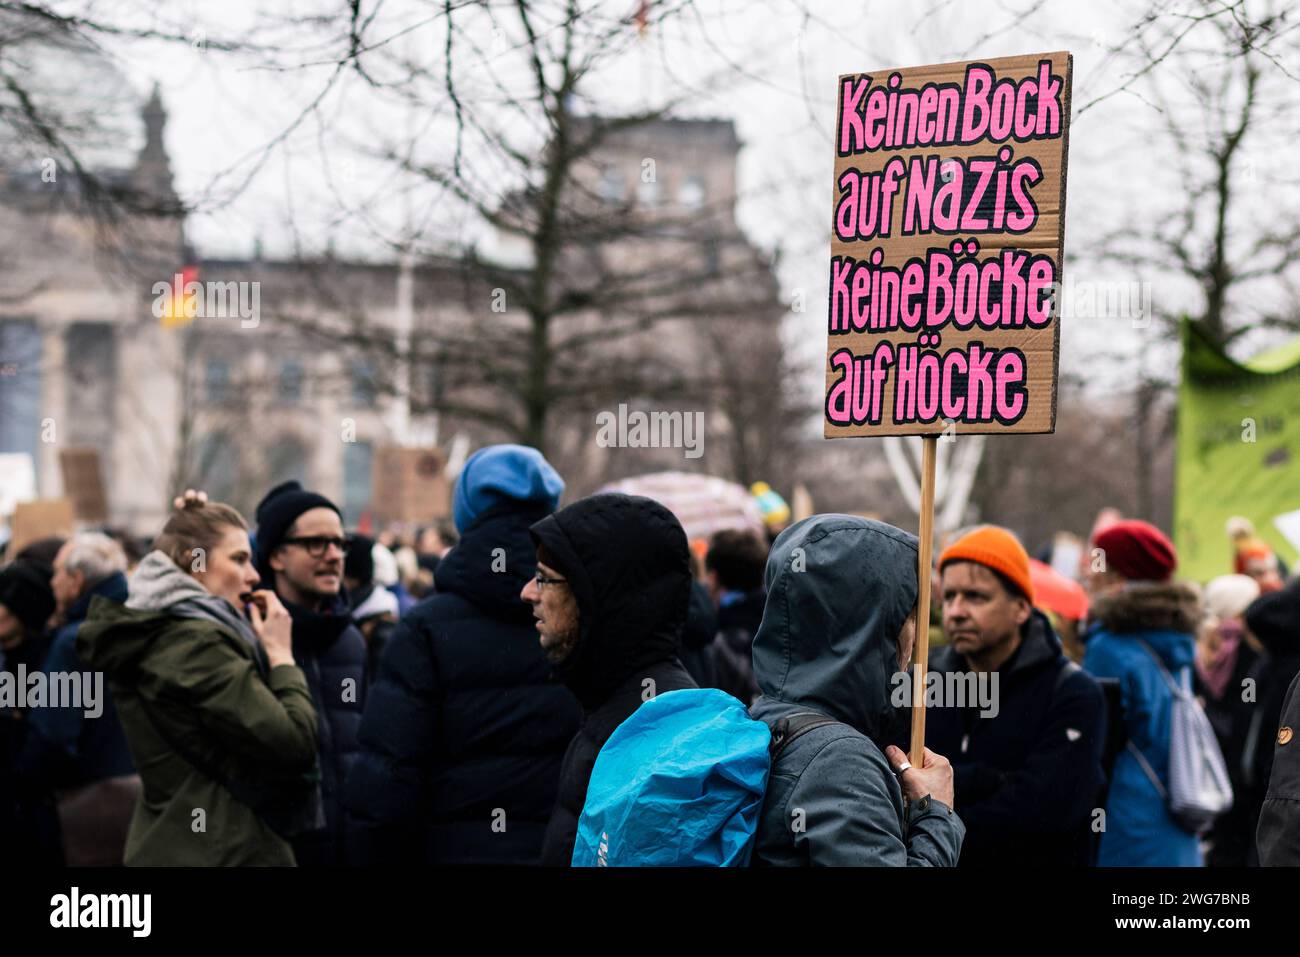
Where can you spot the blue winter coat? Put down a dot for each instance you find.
(466, 725)
(1139, 829)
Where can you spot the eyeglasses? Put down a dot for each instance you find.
(543, 580)
(318, 545)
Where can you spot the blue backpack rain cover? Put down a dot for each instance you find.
(680, 783)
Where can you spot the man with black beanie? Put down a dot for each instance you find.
(299, 552)
(610, 598)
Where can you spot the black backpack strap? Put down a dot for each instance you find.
(792, 726)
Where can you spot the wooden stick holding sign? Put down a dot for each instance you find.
(921, 654)
(946, 250)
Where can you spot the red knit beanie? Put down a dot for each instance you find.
(1138, 551)
(994, 548)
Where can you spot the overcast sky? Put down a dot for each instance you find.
(770, 67)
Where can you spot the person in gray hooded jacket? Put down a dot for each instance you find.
(839, 623)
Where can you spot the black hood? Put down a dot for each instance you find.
(472, 569)
(628, 563)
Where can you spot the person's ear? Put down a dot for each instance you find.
(1023, 610)
(277, 563)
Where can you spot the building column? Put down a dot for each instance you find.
(149, 407)
(53, 410)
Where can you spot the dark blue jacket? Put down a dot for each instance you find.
(466, 726)
(63, 748)
(1028, 778)
(332, 655)
(29, 827)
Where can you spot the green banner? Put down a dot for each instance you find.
(1238, 451)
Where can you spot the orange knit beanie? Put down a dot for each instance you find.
(994, 548)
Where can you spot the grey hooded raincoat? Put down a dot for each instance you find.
(839, 589)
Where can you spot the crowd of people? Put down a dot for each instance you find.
(295, 693)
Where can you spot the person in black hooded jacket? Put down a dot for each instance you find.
(611, 595)
(1274, 619)
(466, 724)
(1278, 616)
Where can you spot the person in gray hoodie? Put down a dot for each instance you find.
(839, 623)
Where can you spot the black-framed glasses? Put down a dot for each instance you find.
(318, 545)
(543, 580)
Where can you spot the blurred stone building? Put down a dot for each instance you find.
(312, 386)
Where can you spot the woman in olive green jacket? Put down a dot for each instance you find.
(209, 696)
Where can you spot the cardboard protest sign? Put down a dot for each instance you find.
(83, 482)
(410, 485)
(41, 518)
(946, 247)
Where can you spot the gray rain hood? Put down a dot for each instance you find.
(839, 589)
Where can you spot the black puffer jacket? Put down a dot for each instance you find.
(627, 562)
(332, 654)
(1275, 620)
(1279, 820)
(466, 725)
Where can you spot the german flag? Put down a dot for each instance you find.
(180, 309)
